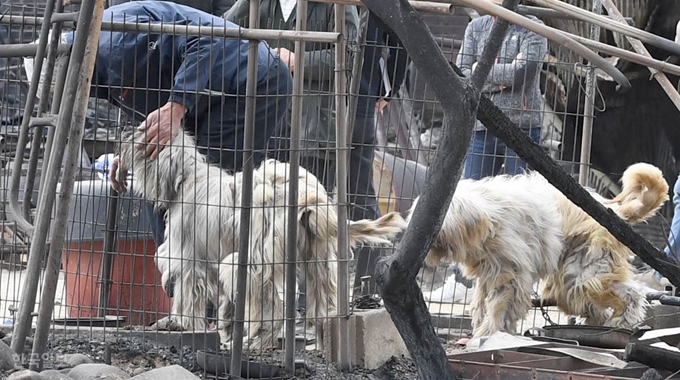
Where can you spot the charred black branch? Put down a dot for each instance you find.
(396, 276)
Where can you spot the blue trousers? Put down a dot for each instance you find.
(673, 247)
(487, 154)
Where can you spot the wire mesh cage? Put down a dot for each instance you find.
(264, 165)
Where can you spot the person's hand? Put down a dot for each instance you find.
(380, 104)
(519, 56)
(287, 56)
(161, 126)
(118, 169)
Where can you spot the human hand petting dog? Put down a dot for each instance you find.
(118, 168)
(161, 126)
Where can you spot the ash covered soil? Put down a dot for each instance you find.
(135, 356)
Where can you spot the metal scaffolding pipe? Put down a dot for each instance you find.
(420, 6)
(247, 195)
(39, 121)
(77, 76)
(589, 108)
(27, 50)
(294, 165)
(249, 33)
(614, 26)
(73, 126)
(14, 208)
(639, 47)
(341, 183)
(625, 54)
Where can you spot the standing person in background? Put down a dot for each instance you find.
(372, 96)
(513, 85)
(318, 105)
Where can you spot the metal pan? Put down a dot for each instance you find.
(593, 336)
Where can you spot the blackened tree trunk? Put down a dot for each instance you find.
(396, 276)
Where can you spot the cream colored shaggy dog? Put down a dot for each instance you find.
(202, 237)
(510, 232)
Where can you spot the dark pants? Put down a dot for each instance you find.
(487, 155)
(13, 89)
(219, 135)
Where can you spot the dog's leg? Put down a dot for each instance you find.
(635, 308)
(507, 303)
(478, 306)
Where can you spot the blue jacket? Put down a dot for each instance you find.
(172, 68)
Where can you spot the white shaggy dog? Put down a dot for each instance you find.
(202, 204)
(509, 232)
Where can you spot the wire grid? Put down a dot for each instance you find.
(405, 139)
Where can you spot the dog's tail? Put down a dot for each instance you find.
(644, 191)
(378, 231)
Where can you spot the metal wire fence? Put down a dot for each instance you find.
(272, 282)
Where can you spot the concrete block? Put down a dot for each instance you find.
(453, 322)
(373, 339)
(197, 340)
(663, 317)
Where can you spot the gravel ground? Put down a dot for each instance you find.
(135, 355)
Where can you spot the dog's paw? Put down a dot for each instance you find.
(167, 324)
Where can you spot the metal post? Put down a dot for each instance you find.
(294, 162)
(79, 75)
(74, 126)
(341, 174)
(42, 107)
(247, 196)
(589, 107)
(13, 203)
(56, 104)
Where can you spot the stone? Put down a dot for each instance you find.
(71, 360)
(96, 371)
(8, 359)
(373, 339)
(174, 372)
(51, 374)
(24, 374)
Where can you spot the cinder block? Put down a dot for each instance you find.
(453, 322)
(197, 340)
(662, 317)
(373, 339)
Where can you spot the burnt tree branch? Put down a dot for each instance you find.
(396, 276)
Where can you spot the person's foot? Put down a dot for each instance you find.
(452, 291)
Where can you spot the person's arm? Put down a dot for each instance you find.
(529, 60)
(193, 74)
(319, 64)
(238, 13)
(466, 55)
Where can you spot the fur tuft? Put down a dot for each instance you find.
(644, 191)
(376, 232)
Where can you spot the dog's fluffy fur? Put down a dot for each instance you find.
(202, 204)
(509, 232)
